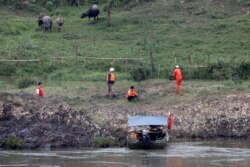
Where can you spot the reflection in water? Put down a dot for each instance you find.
(188, 154)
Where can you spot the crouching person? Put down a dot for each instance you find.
(131, 94)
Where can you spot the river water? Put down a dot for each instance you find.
(222, 153)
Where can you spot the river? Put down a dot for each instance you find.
(219, 153)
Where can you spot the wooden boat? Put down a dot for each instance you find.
(147, 132)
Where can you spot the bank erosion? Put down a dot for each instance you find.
(48, 122)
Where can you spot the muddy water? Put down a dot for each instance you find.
(181, 154)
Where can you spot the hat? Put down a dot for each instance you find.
(112, 69)
(176, 66)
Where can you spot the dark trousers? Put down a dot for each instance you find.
(131, 98)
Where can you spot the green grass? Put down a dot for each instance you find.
(83, 94)
(172, 31)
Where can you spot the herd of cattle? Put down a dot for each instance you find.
(45, 22)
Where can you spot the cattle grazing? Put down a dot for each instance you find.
(40, 19)
(47, 23)
(59, 22)
(44, 21)
(93, 11)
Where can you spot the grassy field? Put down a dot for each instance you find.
(163, 33)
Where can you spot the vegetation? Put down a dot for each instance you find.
(104, 142)
(208, 39)
(12, 142)
(25, 83)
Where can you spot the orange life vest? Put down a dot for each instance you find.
(112, 77)
(132, 92)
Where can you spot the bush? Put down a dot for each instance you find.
(6, 69)
(12, 142)
(140, 73)
(243, 70)
(219, 71)
(25, 83)
(104, 142)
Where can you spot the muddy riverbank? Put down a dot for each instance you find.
(48, 122)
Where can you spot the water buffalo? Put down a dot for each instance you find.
(93, 11)
(47, 23)
(40, 19)
(59, 22)
(44, 21)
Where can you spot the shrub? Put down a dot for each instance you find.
(243, 70)
(25, 83)
(104, 142)
(140, 73)
(6, 69)
(220, 71)
(12, 142)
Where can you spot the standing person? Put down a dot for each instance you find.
(178, 77)
(110, 81)
(131, 94)
(39, 90)
(170, 120)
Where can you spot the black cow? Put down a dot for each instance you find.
(40, 19)
(93, 11)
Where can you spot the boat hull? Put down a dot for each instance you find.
(158, 144)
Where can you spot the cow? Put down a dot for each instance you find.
(40, 19)
(47, 23)
(93, 11)
(44, 21)
(59, 22)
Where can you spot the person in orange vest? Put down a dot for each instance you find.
(178, 77)
(131, 94)
(39, 90)
(110, 81)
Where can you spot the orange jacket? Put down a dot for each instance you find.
(177, 74)
(111, 77)
(131, 92)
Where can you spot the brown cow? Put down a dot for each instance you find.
(60, 22)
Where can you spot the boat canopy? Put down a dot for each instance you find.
(146, 120)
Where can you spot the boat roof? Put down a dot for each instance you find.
(146, 120)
